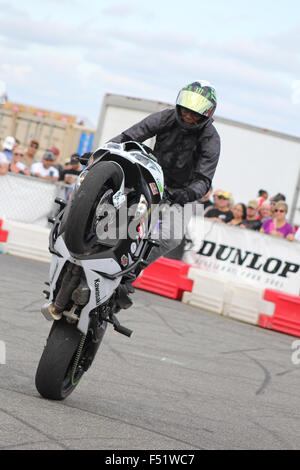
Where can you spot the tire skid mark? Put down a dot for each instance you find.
(34, 428)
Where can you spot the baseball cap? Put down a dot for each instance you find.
(54, 150)
(9, 143)
(224, 194)
(253, 204)
(278, 197)
(48, 156)
(74, 159)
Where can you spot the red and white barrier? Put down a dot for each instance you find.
(240, 301)
(166, 277)
(3, 237)
(174, 279)
(286, 315)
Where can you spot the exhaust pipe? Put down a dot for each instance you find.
(70, 281)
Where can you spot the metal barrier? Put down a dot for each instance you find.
(28, 199)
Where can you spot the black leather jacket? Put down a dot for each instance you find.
(188, 158)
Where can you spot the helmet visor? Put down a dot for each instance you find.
(195, 102)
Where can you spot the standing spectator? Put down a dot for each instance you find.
(221, 211)
(278, 226)
(273, 200)
(262, 197)
(30, 154)
(215, 195)
(3, 164)
(239, 214)
(72, 169)
(17, 165)
(58, 166)
(264, 212)
(251, 222)
(70, 173)
(45, 168)
(8, 146)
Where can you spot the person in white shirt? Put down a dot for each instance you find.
(45, 168)
(17, 165)
(8, 145)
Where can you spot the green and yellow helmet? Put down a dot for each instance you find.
(199, 97)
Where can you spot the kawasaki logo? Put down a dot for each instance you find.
(97, 291)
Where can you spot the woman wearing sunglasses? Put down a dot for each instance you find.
(278, 226)
(17, 165)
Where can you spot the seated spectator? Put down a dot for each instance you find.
(205, 200)
(30, 154)
(17, 165)
(239, 214)
(264, 212)
(251, 222)
(45, 168)
(278, 226)
(3, 164)
(8, 146)
(274, 199)
(220, 211)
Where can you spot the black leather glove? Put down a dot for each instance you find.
(180, 196)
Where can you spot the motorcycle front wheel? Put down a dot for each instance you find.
(87, 208)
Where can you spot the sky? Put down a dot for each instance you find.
(64, 55)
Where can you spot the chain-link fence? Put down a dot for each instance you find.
(28, 199)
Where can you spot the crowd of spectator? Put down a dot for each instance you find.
(260, 214)
(15, 158)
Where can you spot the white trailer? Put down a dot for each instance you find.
(252, 158)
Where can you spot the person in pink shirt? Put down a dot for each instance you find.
(278, 226)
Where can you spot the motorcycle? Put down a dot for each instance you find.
(95, 257)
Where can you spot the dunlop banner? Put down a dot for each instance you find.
(241, 254)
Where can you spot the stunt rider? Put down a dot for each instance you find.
(187, 147)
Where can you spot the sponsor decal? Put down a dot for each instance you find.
(124, 260)
(153, 188)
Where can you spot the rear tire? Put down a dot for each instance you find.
(58, 373)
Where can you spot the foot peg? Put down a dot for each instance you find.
(118, 327)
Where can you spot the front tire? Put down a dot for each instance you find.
(79, 224)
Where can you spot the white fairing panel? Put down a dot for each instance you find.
(101, 288)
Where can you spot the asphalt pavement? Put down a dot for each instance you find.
(187, 379)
